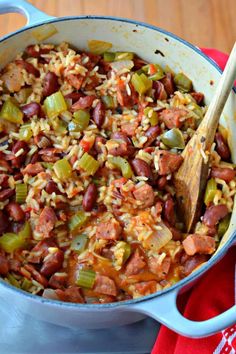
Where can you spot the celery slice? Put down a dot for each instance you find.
(21, 192)
(122, 164)
(11, 112)
(141, 83)
(99, 47)
(79, 243)
(77, 220)
(55, 104)
(183, 83)
(86, 278)
(88, 164)
(25, 132)
(210, 192)
(63, 169)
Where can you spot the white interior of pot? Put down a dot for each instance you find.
(150, 45)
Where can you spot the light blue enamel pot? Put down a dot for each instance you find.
(155, 45)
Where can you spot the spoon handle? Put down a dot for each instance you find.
(209, 124)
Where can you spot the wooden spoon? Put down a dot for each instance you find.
(190, 180)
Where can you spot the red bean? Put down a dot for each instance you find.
(222, 147)
(4, 265)
(159, 91)
(4, 181)
(51, 187)
(5, 166)
(31, 109)
(53, 262)
(162, 182)
(169, 211)
(58, 281)
(168, 83)
(192, 262)
(99, 114)
(3, 222)
(6, 193)
(152, 133)
(90, 197)
(214, 214)
(227, 174)
(19, 160)
(198, 96)
(32, 52)
(15, 211)
(28, 67)
(141, 168)
(50, 84)
(18, 176)
(35, 158)
(98, 142)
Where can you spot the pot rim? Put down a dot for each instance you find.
(185, 280)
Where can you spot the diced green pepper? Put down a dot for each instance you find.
(183, 83)
(141, 83)
(197, 109)
(12, 280)
(152, 115)
(86, 278)
(223, 225)
(79, 243)
(124, 56)
(77, 220)
(55, 104)
(122, 251)
(210, 192)
(88, 164)
(122, 164)
(25, 132)
(63, 169)
(158, 75)
(109, 56)
(26, 284)
(99, 47)
(11, 112)
(21, 192)
(108, 101)
(173, 138)
(80, 121)
(10, 242)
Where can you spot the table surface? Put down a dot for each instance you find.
(206, 23)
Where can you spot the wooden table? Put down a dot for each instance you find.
(206, 23)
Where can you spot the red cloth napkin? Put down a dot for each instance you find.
(212, 295)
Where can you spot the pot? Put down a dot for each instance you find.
(155, 45)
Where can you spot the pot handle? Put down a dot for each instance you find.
(163, 308)
(32, 14)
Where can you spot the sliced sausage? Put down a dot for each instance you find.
(33, 169)
(168, 162)
(83, 102)
(109, 230)
(227, 174)
(135, 264)
(214, 214)
(193, 262)
(58, 280)
(40, 251)
(145, 195)
(161, 269)
(28, 67)
(75, 80)
(172, 117)
(105, 285)
(123, 98)
(159, 91)
(47, 221)
(15, 211)
(71, 294)
(33, 51)
(198, 96)
(90, 197)
(199, 244)
(146, 287)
